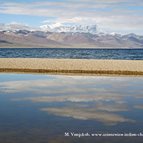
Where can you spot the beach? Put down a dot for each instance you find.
(72, 66)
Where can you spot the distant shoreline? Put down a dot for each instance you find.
(98, 48)
(72, 66)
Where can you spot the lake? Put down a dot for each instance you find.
(38, 108)
(126, 54)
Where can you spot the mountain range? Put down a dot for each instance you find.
(83, 36)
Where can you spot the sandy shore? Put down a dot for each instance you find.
(72, 66)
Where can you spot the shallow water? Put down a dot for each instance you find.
(43, 108)
(79, 53)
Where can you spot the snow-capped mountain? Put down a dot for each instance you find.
(50, 28)
(15, 27)
(16, 35)
(70, 28)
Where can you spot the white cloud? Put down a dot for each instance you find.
(111, 15)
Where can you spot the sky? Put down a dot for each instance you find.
(120, 16)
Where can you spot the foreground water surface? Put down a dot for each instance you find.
(75, 53)
(53, 108)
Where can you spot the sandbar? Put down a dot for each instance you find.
(72, 66)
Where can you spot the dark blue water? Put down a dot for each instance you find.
(126, 54)
(41, 108)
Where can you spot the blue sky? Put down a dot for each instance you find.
(122, 16)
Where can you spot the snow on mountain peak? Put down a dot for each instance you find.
(70, 28)
(15, 27)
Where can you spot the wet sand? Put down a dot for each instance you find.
(72, 66)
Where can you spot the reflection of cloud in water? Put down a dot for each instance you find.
(139, 106)
(114, 107)
(29, 85)
(87, 114)
(73, 98)
(108, 95)
(65, 85)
